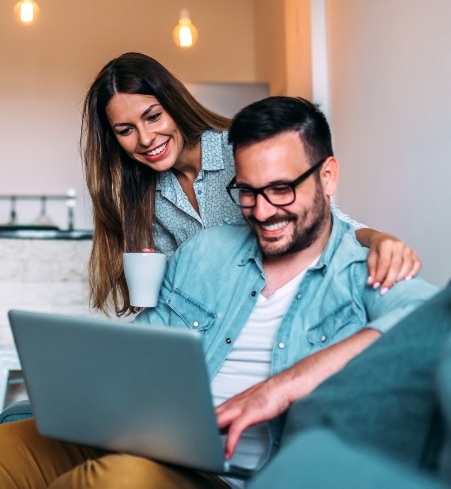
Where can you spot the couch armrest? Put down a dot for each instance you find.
(321, 460)
(16, 412)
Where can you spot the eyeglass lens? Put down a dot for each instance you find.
(275, 195)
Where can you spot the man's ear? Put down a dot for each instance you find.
(330, 172)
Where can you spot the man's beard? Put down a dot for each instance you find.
(308, 227)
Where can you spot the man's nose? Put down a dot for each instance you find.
(263, 209)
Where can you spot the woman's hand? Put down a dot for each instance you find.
(389, 260)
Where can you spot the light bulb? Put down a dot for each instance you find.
(26, 11)
(184, 33)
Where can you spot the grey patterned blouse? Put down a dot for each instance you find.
(176, 220)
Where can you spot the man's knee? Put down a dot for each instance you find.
(119, 471)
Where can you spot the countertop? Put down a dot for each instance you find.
(35, 232)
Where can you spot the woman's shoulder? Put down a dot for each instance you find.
(216, 151)
(214, 137)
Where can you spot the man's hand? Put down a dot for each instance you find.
(389, 260)
(260, 403)
(269, 399)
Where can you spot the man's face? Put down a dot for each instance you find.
(282, 230)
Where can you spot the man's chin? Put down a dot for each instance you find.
(272, 247)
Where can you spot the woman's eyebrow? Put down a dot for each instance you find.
(149, 109)
(117, 124)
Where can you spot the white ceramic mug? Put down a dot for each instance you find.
(144, 274)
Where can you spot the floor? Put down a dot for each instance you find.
(12, 385)
(15, 388)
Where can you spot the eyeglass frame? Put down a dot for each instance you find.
(261, 190)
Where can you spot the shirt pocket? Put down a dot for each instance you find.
(336, 325)
(192, 312)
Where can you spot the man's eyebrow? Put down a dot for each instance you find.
(274, 182)
(117, 124)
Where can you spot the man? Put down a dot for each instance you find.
(282, 303)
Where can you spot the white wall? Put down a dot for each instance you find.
(45, 70)
(390, 103)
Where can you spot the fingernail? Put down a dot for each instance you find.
(409, 277)
(384, 291)
(376, 285)
(370, 280)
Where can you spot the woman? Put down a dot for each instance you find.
(157, 163)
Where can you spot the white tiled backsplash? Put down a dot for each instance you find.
(38, 275)
(42, 275)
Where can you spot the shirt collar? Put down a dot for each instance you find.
(252, 252)
(339, 229)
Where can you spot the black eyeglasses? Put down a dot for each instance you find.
(278, 194)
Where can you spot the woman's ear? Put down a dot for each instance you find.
(330, 172)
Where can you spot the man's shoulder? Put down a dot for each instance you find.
(228, 234)
(343, 249)
(229, 237)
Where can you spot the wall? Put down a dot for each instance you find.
(269, 47)
(46, 69)
(390, 99)
(298, 48)
(282, 46)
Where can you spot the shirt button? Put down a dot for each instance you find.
(298, 296)
(281, 345)
(253, 293)
(228, 341)
(276, 443)
(196, 324)
(199, 192)
(323, 338)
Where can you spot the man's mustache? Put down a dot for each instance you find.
(272, 220)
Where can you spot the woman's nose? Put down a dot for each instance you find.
(145, 137)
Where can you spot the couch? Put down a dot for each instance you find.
(329, 460)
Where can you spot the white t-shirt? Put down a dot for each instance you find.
(248, 363)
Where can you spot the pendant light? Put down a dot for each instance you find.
(185, 33)
(26, 11)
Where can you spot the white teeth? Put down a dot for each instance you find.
(158, 150)
(276, 226)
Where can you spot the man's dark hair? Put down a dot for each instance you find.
(275, 115)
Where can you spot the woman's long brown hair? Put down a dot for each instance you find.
(123, 190)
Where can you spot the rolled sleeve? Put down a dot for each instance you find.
(403, 298)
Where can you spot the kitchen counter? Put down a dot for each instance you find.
(34, 232)
(41, 270)
(48, 275)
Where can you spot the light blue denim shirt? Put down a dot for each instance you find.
(213, 281)
(176, 220)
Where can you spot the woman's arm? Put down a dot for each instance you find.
(389, 260)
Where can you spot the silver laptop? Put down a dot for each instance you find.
(123, 387)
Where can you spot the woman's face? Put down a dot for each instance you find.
(145, 131)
